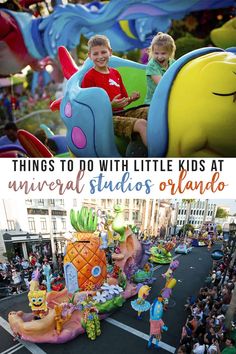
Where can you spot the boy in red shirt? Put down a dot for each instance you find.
(101, 75)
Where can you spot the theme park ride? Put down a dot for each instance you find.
(206, 73)
(27, 40)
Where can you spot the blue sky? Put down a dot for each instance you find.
(229, 203)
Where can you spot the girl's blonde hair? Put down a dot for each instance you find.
(163, 40)
(144, 290)
(98, 39)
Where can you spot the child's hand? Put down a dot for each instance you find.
(119, 102)
(134, 96)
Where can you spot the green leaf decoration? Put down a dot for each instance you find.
(73, 220)
(84, 220)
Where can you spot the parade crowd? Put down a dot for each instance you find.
(204, 331)
(16, 275)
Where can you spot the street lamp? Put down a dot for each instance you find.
(40, 243)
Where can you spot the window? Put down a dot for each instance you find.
(43, 224)
(11, 225)
(40, 201)
(54, 224)
(63, 221)
(52, 201)
(126, 215)
(59, 212)
(61, 201)
(34, 211)
(31, 222)
(28, 201)
(135, 216)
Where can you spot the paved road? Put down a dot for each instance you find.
(122, 332)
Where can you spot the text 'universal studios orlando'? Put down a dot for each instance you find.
(118, 178)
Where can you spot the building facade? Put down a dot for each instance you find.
(43, 225)
(194, 212)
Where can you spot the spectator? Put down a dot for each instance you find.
(199, 347)
(7, 107)
(10, 136)
(229, 346)
(214, 347)
(186, 336)
(25, 264)
(181, 350)
(209, 336)
(49, 143)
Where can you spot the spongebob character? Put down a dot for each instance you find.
(38, 303)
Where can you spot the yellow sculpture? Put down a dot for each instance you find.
(225, 36)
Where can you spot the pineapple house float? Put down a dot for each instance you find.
(101, 268)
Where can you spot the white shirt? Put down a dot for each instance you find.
(198, 349)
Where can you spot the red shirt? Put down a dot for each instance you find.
(112, 82)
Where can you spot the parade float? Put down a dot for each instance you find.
(201, 240)
(98, 281)
(183, 248)
(211, 229)
(161, 254)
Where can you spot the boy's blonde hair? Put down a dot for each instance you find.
(98, 39)
(163, 40)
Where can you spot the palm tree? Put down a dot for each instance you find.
(188, 210)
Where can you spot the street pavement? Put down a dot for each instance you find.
(122, 332)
